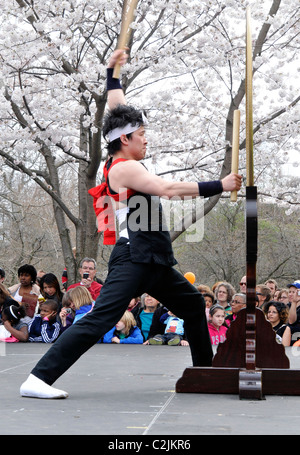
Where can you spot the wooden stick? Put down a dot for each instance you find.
(235, 149)
(249, 106)
(129, 8)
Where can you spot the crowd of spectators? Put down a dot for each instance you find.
(38, 309)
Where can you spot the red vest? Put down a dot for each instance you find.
(103, 205)
(146, 245)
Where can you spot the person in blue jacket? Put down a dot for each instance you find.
(44, 327)
(82, 301)
(125, 331)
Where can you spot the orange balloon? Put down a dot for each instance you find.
(190, 277)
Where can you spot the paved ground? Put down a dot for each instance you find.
(130, 390)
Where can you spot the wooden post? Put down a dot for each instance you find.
(250, 362)
(235, 149)
(128, 13)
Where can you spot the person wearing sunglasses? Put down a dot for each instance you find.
(243, 284)
(237, 303)
(263, 294)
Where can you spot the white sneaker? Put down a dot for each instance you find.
(36, 388)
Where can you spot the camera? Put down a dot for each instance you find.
(68, 310)
(85, 275)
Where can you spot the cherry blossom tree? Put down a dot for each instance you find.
(186, 68)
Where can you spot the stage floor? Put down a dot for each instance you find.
(130, 390)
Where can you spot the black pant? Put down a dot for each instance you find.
(126, 280)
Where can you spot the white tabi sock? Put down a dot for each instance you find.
(36, 388)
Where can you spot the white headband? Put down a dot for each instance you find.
(127, 129)
(13, 314)
(117, 132)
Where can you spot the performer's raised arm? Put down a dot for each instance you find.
(115, 94)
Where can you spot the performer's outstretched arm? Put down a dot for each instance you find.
(132, 174)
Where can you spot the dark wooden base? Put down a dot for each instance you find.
(246, 383)
(230, 373)
(268, 353)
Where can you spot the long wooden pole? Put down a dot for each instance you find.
(249, 104)
(235, 148)
(251, 231)
(129, 8)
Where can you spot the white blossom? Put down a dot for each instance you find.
(187, 84)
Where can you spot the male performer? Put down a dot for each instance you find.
(142, 260)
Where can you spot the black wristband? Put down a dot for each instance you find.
(111, 82)
(207, 189)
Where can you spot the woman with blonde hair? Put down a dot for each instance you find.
(125, 331)
(82, 301)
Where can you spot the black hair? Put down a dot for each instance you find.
(281, 308)
(2, 273)
(53, 304)
(210, 295)
(27, 268)
(14, 313)
(50, 278)
(119, 117)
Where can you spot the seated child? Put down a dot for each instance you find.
(82, 300)
(174, 331)
(209, 299)
(44, 327)
(217, 330)
(14, 324)
(67, 312)
(125, 331)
